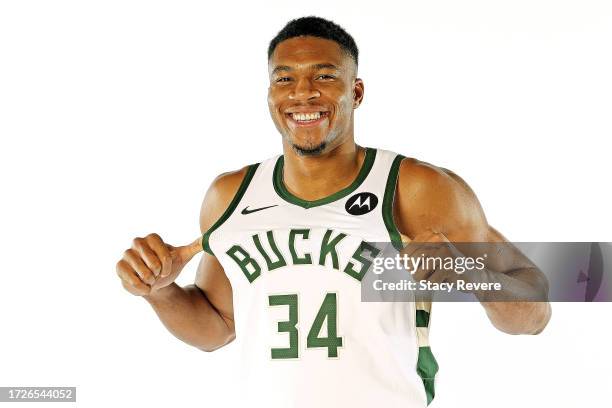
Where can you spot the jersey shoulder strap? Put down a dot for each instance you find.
(248, 177)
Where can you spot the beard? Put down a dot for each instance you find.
(311, 150)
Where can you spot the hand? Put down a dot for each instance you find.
(151, 264)
(433, 245)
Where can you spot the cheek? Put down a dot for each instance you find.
(345, 105)
(271, 99)
(275, 99)
(273, 105)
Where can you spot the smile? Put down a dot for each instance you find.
(307, 118)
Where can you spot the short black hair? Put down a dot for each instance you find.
(316, 27)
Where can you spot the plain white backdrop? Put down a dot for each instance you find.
(116, 115)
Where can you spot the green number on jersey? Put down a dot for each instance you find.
(327, 311)
(287, 326)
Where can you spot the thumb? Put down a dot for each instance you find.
(183, 254)
(405, 243)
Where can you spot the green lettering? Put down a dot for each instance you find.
(329, 248)
(244, 262)
(297, 260)
(280, 261)
(365, 262)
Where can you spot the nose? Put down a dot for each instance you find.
(304, 91)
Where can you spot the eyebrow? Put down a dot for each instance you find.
(316, 67)
(324, 66)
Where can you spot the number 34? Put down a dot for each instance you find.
(327, 312)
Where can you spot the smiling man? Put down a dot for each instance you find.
(286, 243)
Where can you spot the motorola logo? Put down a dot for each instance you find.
(361, 203)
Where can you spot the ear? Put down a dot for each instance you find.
(358, 90)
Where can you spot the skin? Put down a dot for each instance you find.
(432, 205)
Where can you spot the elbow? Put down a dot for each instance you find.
(212, 346)
(541, 318)
(207, 349)
(523, 318)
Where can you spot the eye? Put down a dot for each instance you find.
(325, 77)
(283, 79)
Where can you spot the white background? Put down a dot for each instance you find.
(116, 115)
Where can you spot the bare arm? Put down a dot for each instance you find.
(189, 316)
(432, 200)
(200, 314)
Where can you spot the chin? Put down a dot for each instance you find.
(307, 144)
(310, 149)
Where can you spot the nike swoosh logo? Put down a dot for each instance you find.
(246, 210)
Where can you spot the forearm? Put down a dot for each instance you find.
(189, 316)
(521, 306)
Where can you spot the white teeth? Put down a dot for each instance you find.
(306, 117)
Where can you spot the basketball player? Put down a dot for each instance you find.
(285, 240)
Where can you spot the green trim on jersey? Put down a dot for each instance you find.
(427, 367)
(230, 209)
(387, 207)
(281, 190)
(422, 318)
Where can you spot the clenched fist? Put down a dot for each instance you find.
(151, 264)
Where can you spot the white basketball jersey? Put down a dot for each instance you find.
(296, 267)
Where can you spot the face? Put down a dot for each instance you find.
(313, 92)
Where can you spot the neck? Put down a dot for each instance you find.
(315, 177)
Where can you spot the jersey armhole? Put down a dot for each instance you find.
(388, 200)
(426, 364)
(230, 209)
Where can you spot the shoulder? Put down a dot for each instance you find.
(416, 176)
(219, 196)
(430, 196)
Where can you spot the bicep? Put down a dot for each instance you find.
(477, 238)
(210, 277)
(502, 255)
(214, 284)
(432, 198)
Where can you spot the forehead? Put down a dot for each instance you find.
(309, 50)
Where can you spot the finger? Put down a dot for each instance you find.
(136, 291)
(427, 235)
(422, 274)
(419, 244)
(148, 256)
(185, 253)
(130, 280)
(425, 244)
(163, 253)
(137, 264)
(424, 261)
(438, 276)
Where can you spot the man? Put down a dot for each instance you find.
(285, 243)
